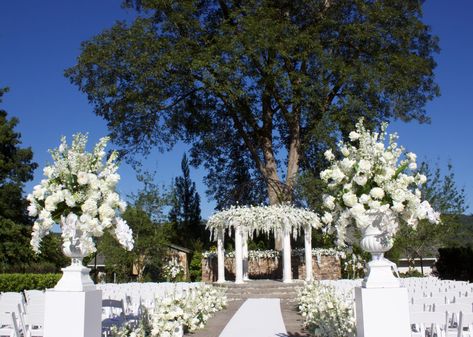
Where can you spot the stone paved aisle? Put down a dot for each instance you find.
(257, 289)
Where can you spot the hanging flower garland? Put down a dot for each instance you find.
(262, 219)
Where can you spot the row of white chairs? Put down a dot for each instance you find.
(441, 308)
(22, 314)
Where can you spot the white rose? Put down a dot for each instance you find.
(364, 198)
(350, 199)
(364, 165)
(89, 207)
(329, 155)
(82, 178)
(50, 203)
(377, 193)
(360, 180)
(347, 164)
(329, 202)
(412, 166)
(345, 151)
(354, 136)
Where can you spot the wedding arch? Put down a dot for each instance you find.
(246, 221)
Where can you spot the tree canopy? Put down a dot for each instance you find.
(284, 78)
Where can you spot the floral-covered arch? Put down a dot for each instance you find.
(249, 220)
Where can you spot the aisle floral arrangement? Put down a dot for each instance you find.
(79, 194)
(372, 177)
(177, 313)
(327, 312)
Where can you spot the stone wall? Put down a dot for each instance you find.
(325, 268)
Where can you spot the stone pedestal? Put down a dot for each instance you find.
(382, 312)
(73, 313)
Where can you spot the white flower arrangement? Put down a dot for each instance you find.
(263, 219)
(172, 270)
(327, 312)
(372, 177)
(176, 313)
(79, 193)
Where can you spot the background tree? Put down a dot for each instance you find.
(446, 197)
(16, 168)
(185, 212)
(147, 255)
(284, 78)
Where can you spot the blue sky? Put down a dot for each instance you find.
(39, 39)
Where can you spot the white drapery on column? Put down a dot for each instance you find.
(221, 255)
(287, 270)
(238, 255)
(245, 255)
(308, 252)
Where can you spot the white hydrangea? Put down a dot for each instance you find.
(79, 180)
(373, 176)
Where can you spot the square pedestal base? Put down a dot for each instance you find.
(73, 313)
(382, 312)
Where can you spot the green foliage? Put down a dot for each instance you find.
(147, 254)
(455, 264)
(411, 273)
(20, 282)
(444, 196)
(285, 79)
(185, 212)
(195, 268)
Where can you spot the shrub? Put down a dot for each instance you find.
(20, 282)
(455, 264)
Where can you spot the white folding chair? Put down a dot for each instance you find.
(465, 325)
(432, 322)
(8, 325)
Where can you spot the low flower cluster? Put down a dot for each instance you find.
(327, 312)
(275, 254)
(172, 270)
(178, 313)
(372, 177)
(79, 193)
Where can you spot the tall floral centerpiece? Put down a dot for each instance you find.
(78, 193)
(372, 188)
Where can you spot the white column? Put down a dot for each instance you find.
(287, 270)
(308, 252)
(245, 256)
(221, 255)
(238, 256)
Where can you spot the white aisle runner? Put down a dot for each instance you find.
(257, 317)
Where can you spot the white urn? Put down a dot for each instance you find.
(376, 240)
(76, 276)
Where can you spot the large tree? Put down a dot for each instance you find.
(285, 78)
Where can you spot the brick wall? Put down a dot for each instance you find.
(327, 268)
